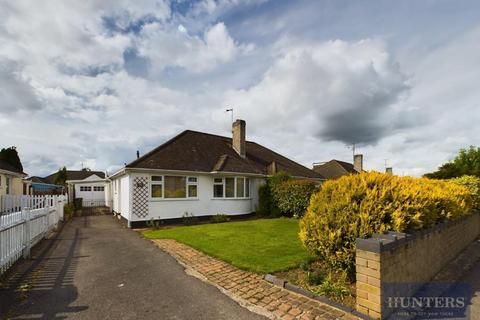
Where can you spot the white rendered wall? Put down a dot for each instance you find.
(204, 204)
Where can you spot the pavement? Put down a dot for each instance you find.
(472, 277)
(98, 269)
(464, 270)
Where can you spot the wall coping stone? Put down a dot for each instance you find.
(379, 243)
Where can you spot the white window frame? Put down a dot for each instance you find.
(187, 183)
(153, 182)
(222, 183)
(245, 181)
(191, 183)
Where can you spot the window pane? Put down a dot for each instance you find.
(156, 190)
(247, 187)
(240, 185)
(218, 180)
(192, 179)
(218, 191)
(156, 178)
(192, 191)
(175, 187)
(229, 187)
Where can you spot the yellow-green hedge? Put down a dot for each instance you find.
(472, 183)
(358, 205)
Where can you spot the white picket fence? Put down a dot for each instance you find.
(24, 221)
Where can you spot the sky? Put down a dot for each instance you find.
(88, 83)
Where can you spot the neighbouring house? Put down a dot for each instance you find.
(85, 184)
(42, 186)
(199, 173)
(335, 169)
(11, 179)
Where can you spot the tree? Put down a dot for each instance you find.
(10, 155)
(60, 177)
(467, 162)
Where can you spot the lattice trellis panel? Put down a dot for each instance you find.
(140, 196)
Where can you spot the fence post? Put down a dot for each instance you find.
(26, 233)
(61, 204)
(46, 221)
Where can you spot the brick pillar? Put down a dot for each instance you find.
(374, 268)
(368, 283)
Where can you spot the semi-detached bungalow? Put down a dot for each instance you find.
(199, 173)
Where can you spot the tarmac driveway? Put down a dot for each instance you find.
(98, 269)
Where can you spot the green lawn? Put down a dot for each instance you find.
(264, 246)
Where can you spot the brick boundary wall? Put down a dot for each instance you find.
(407, 258)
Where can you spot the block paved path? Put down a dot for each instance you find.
(250, 289)
(98, 269)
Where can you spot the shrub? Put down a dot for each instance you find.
(68, 209)
(359, 205)
(293, 196)
(77, 203)
(472, 183)
(315, 278)
(305, 265)
(264, 201)
(273, 183)
(278, 178)
(219, 218)
(154, 224)
(333, 288)
(282, 195)
(189, 219)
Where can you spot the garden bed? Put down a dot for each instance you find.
(315, 277)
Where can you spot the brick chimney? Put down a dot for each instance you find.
(238, 141)
(358, 162)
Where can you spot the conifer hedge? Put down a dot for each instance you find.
(362, 204)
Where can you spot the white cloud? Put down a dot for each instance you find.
(336, 90)
(193, 53)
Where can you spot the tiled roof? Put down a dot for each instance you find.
(75, 175)
(203, 152)
(334, 169)
(37, 179)
(4, 165)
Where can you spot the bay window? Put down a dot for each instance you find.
(218, 187)
(240, 187)
(229, 187)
